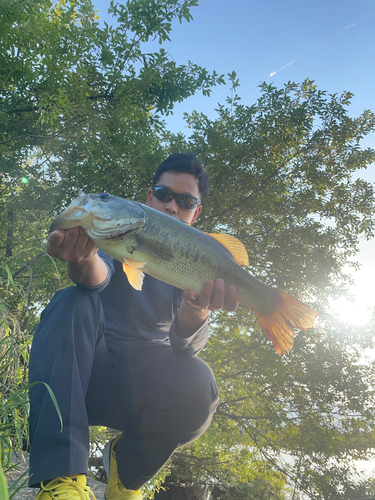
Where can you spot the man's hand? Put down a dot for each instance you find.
(75, 247)
(213, 297)
(71, 245)
(195, 308)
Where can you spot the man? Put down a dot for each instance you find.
(121, 358)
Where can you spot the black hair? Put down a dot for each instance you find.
(186, 163)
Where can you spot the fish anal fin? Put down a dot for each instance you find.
(289, 314)
(133, 273)
(234, 246)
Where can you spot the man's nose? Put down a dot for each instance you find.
(171, 206)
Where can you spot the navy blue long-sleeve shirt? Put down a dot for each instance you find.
(146, 315)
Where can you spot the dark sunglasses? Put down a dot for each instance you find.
(166, 195)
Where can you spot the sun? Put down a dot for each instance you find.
(356, 312)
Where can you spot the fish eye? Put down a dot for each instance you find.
(103, 196)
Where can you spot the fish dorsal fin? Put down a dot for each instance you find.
(234, 246)
(133, 273)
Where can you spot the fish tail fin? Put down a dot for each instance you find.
(289, 314)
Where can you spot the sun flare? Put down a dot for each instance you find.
(355, 312)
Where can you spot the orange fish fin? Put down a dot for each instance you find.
(289, 314)
(133, 273)
(234, 246)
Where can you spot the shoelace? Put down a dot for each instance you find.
(63, 487)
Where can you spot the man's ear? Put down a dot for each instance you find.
(149, 194)
(198, 210)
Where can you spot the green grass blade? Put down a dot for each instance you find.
(18, 484)
(53, 399)
(3, 485)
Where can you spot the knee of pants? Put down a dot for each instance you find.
(70, 310)
(198, 399)
(65, 303)
(75, 298)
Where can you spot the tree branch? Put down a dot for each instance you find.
(28, 263)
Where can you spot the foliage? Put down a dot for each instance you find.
(79, 110)
(282, 181)
(304, 418)
(14, 404)
(3, 485)
(82, 106)
(87, 99)
(281, 174)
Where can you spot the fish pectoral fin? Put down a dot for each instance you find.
(155, 249)
(133, 273)
(234, 246)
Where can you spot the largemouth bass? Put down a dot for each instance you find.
(148, 241)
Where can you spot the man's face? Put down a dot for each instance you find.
(181, 184)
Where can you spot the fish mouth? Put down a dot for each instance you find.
(120, 235)
(109, 234)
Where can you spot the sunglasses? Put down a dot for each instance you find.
(166, 195)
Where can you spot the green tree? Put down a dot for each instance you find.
(282, 182)
(81, 106)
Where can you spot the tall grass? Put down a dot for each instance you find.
(18, 312)
(14, 406)
(14, 401)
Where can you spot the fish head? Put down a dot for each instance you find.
(101, 216)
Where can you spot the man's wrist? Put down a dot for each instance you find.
(90, 272)
(190, 318)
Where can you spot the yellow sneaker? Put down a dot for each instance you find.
(66, 488)
(115, 489)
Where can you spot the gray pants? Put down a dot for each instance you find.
(159, 399)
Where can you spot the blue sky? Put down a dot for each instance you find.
(329, 41)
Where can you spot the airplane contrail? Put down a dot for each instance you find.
(321, 43)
